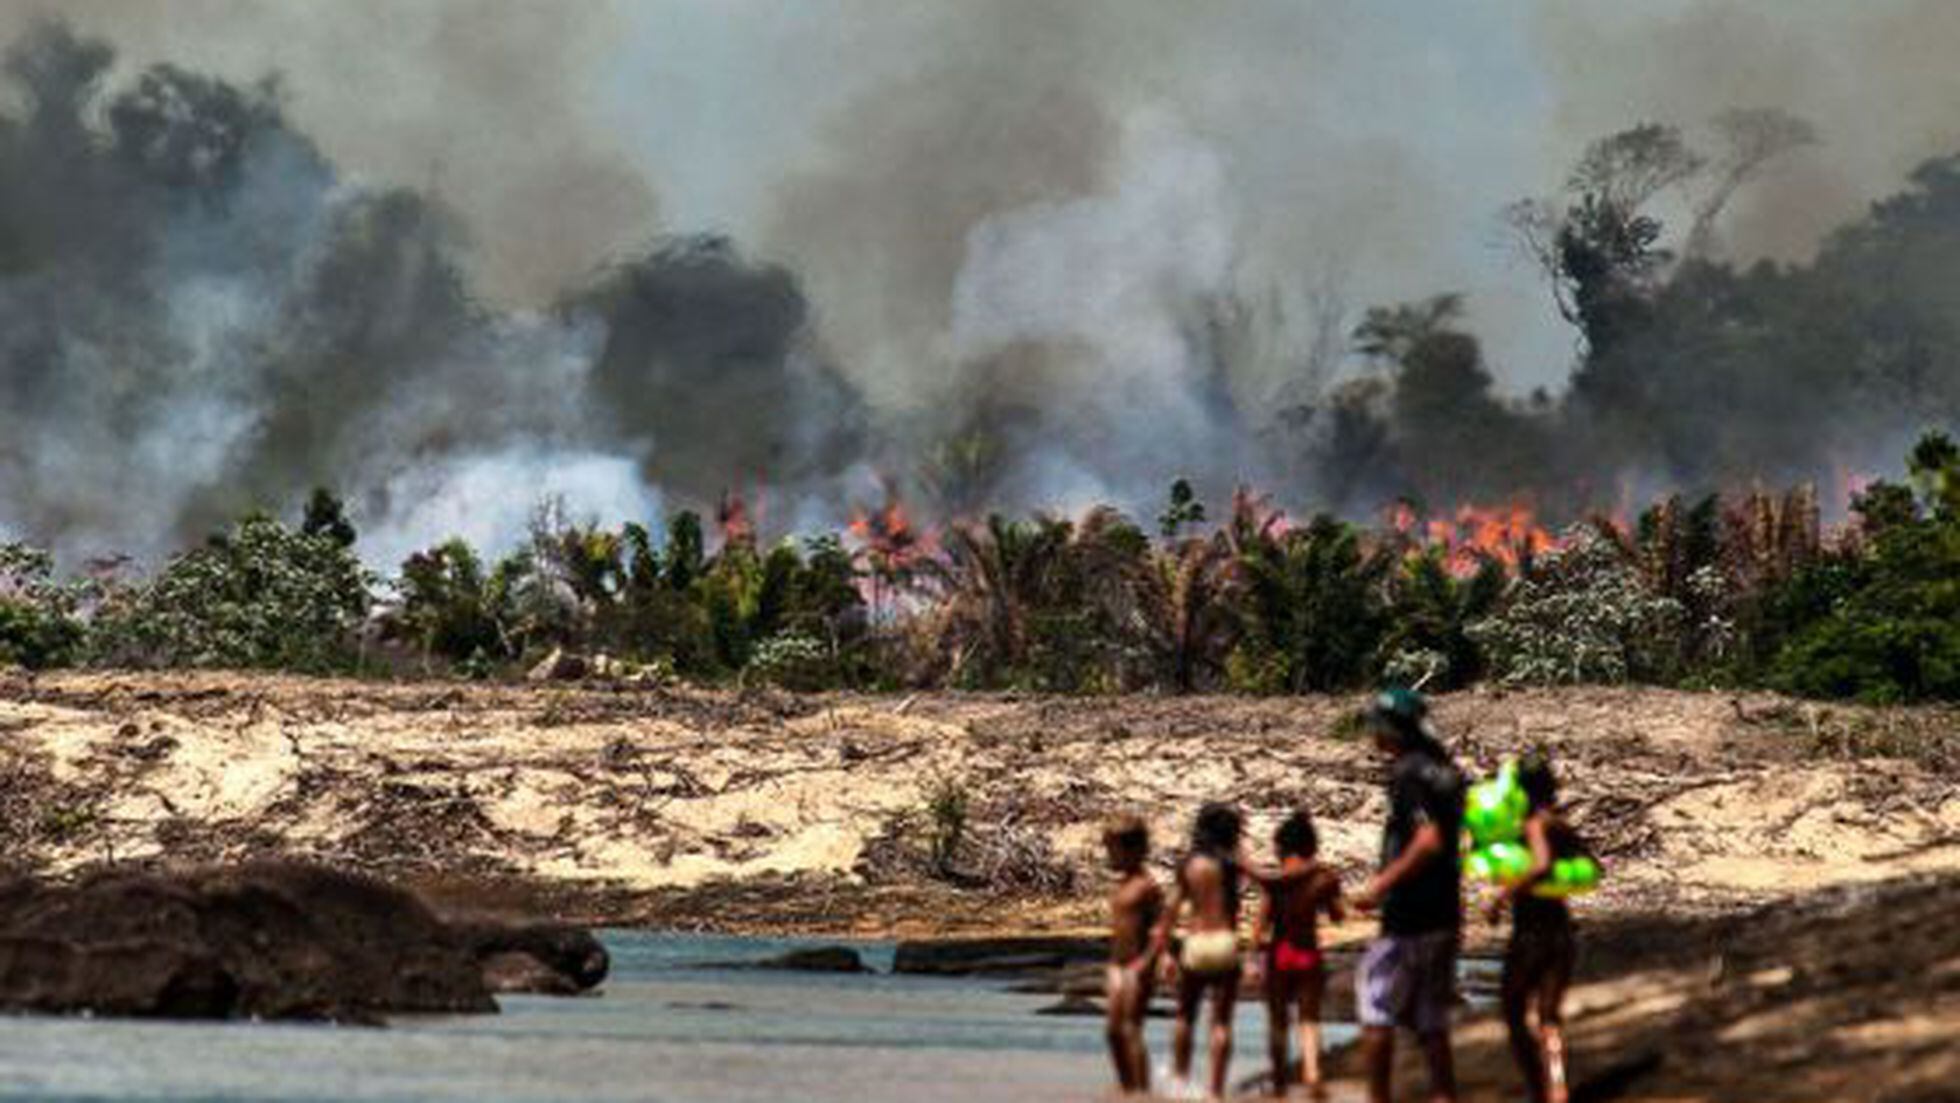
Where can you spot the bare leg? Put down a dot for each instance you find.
(1515, 995)
(1279, 1016)
(1442, 1066)
(1551, 1028)
(1311, 988)
(1224, 1000)
(1189, 992)
(1378, 1048)
(1121, 1028)
(1139, 1053)
(1116, 1028)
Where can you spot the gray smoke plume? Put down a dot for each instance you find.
(201, 315)
(1011, 254)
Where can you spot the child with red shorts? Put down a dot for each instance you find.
(1287, 936)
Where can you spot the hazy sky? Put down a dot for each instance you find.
(1365, 145)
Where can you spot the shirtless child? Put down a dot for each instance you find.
(1134, 907)
(1287, 936)
(1208, 880)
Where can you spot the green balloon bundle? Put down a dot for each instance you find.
(1493, 815)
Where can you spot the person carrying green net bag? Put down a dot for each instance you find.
(1545, 861)
(1494, 818)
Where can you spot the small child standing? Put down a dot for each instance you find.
(1539, 958)
(1207, 964)
(1134, 907)
(1287, 936)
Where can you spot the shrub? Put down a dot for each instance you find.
(793, 661)
(449, 607)
(946, 811)
(1582, 614)
(1887, 624)
(261, 595)
(1430, 611)
(1312, 613)
(38, 622)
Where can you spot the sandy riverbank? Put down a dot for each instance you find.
(1777, 923)
(701, 808)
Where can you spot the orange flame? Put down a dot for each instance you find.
(733, 518)
(1507, 535)
(892, 543)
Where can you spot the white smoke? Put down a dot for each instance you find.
(1115, 285)
(489, 499)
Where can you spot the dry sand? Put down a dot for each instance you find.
(708, 807)
(693, 808)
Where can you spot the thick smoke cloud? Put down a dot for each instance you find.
(486, 103)
(202, 315)
(1011, 255)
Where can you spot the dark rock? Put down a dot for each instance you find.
(996, 956)
(1072, 1006)
(273, 940)
(818, 959)
(513, 972)
(1074, 980)
(563, 960)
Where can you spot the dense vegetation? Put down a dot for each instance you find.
(1749, 591)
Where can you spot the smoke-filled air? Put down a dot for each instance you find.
(641, 257)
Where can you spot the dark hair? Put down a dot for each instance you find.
(1536, 779)
(1404, 715)
(1297, 836)
(1216, 830)
(1127, 835)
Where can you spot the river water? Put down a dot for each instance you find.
(665, 1029)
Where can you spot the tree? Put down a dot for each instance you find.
(1889, 627)
(39, 626)
(1311, 606)
(326, 517)
(449, 607)
(1429, 614)
(1596, 244)
(1183, 509)
(1752, 139)
(258, 595)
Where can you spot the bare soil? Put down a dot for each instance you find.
(1750, 942)
(705, 808)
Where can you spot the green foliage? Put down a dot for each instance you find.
(38, 623)
(1430, 611)
(793, 661)
(1885, 627)
(1187, 605)
(1313, 615)
(1583, 614)
(1743, 592)
(260, 595)
(326, 516)
(1182, 510)
(947, 805)
(451, 608)
(1045, 604)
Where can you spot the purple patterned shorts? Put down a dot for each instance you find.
(1408, 981)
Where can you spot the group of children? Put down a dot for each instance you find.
(1406, 978)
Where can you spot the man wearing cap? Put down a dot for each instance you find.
(1407, 977)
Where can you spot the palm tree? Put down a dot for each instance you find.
(1187, 609)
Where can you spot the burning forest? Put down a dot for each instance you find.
(208, 315)
(1752, 590)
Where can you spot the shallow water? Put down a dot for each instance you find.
(664, 1030)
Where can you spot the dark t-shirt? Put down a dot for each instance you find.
(1423, 790)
